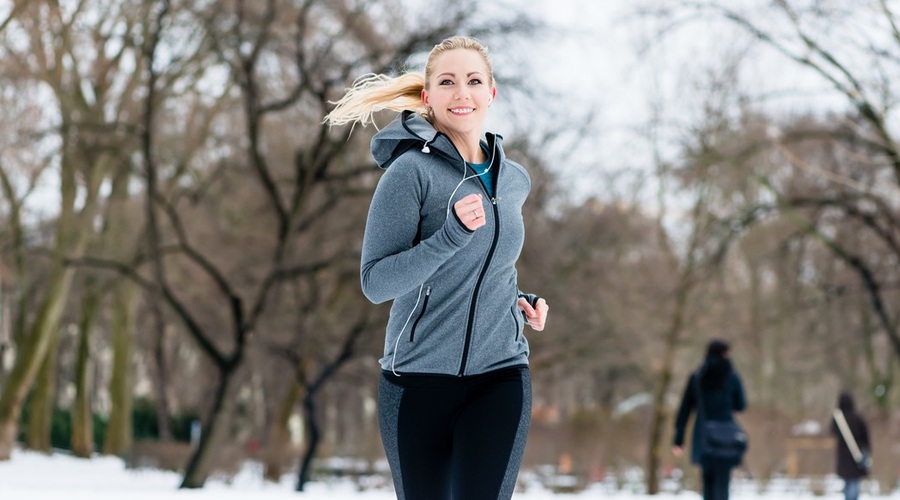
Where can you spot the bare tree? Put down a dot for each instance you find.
(796, 35)
(85, 160)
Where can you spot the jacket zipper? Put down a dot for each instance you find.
(487, 261)
(515, 322)
(412, 332)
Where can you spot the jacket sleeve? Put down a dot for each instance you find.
(739, 403)
(863, 439)
(530, 297)
(688, 401)
(393, 263)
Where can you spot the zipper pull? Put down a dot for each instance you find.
(495, 200)
(428, 290)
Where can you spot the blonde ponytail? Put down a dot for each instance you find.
(372, 93)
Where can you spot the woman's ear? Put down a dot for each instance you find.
(425, 97)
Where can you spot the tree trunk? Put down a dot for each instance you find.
(32, 352)
(660, 411)
(312, 390)
(686, 282)
(313, 435)
(42, 401)
(201, 462)
(119, 431)
(279, 439)
(5, 329)
(82, 415)
(160, 369)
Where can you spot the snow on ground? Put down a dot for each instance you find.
(34, 476)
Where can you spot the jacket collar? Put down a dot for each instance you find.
(411, 130)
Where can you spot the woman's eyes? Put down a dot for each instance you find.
(474, 81)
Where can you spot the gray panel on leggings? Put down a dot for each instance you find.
(389, 396)
(518, 450)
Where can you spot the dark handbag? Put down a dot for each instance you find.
(721, 441)
(865, 462)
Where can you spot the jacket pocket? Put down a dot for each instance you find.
(518, 320)
(412, 332)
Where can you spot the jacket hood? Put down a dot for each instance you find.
(716, 370)
(411, 130)
(406, 132)
(845, 402)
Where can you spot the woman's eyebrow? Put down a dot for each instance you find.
(447, 73)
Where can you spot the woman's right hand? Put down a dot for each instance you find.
(470, 211)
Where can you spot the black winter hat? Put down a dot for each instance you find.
(717, 348)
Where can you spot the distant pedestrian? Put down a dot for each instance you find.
(852, 451)
(716, 392)
(442, 238)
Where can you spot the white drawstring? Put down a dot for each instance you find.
(400, 336)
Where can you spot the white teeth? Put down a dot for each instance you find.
(462, 111)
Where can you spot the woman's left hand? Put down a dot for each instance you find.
(537, 315)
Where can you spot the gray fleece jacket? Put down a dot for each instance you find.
(454, 290)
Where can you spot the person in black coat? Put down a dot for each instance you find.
(722, 391)
(847, 467)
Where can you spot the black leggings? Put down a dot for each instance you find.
(716, 480)
(457, 438)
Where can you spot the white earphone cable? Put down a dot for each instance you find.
(465, 178)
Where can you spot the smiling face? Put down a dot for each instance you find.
(459, 90)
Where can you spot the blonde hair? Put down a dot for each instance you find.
(372, 93)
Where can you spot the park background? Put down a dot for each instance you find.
(179, 233)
